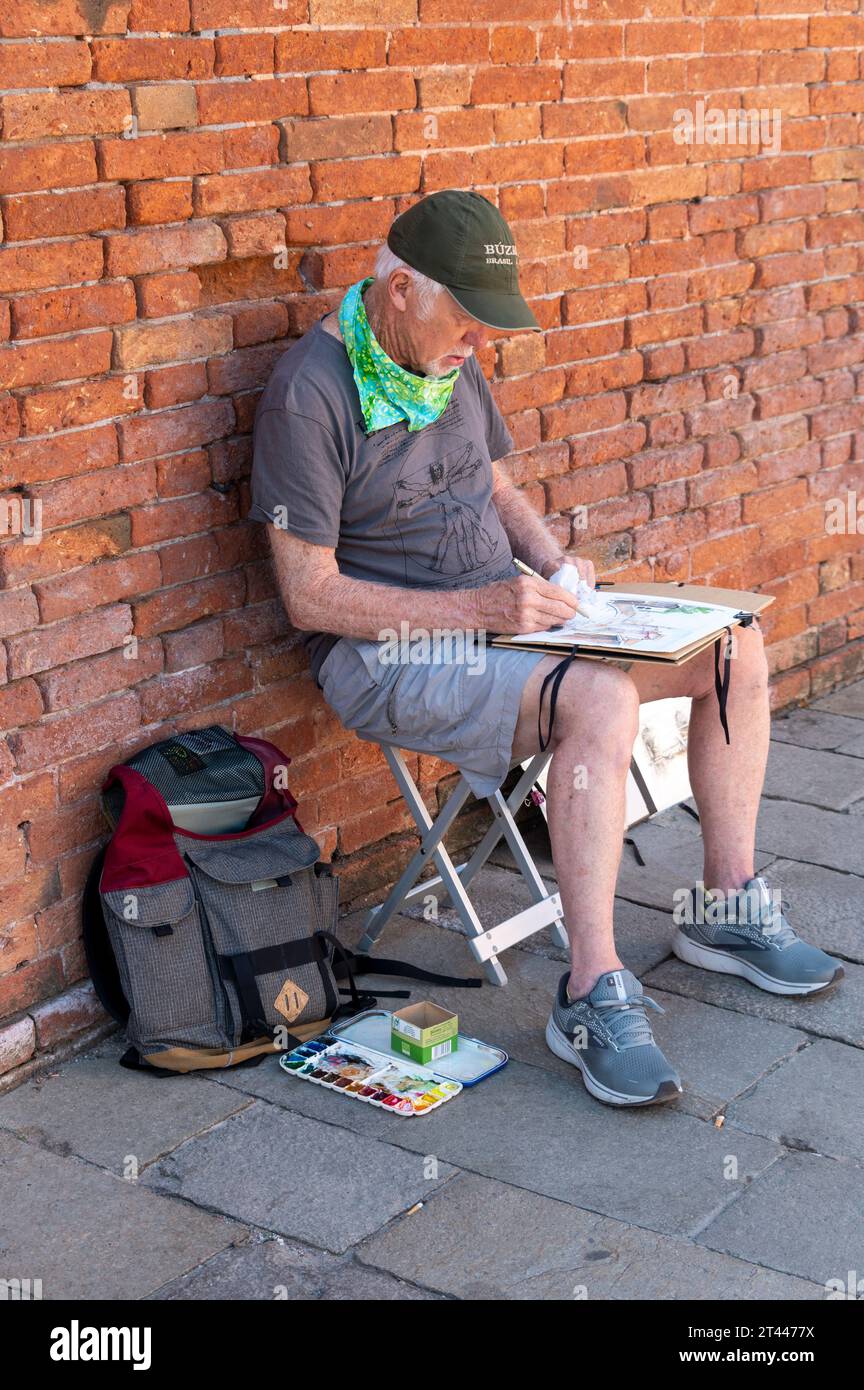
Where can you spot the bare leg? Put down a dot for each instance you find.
(596, 720)
(726, 778)
(595, 726)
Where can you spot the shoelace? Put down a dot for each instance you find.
(628, 1028)
(771, 924)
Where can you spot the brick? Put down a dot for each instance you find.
(55, 263)
(182, 474)
(169, 432)
(334, 94)
(173, 292)
(155, 201)
(189, 691)
(34, 216)
(304, 50)
(142, 60)
(255, 278)
(18, 610)
(69, 734)
(139, 345)
(20, 704)
(579, 417)
(266, 188)
(77, 637)
(17, 1044)
(183, 517)
(126, 577)
(175, 385)
(243, 369)
(260, 324)
(95, 494)
(63, 830)
(187, 603)
(195, 646)
(241, 55)
(165, 105)
(83, 681)
(59, 551)
(63, 311)
(258, 234)
(85, 403)
(44, 64)
(365, 177)
(162, 156)
(241, 14)
(72, 1013)
(35, 114)
(227, 102)
(74, 17)
(168, 248)
(64, 359)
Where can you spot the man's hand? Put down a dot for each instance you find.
(523, 604)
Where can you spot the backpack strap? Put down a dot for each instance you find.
(101, 961)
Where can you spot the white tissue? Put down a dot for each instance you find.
(591, 604)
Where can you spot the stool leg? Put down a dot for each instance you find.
(432, 834)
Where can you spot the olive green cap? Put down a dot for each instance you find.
(459, 239)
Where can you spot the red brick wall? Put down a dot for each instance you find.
(699, 386)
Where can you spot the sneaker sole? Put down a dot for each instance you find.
(558, 1043)
(710, 958)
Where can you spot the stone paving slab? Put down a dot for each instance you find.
(829, 780)
(88, 1234)
(532, 1127)
(94, 1108)
(804, 1216)
(813, 1101)
(481, 1239)
(277, 1269)
(824, 906)
(838, 1015)
(282, 1172)
(815, 728)
(854, 747)
(718, 1054)
(810, 835)
(848, 700)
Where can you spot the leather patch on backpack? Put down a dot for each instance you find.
(291, 1001)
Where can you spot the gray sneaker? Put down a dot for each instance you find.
(746, 934)
(608, 1037)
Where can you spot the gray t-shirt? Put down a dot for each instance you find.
(406, 508)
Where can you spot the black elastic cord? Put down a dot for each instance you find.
(556, 675)
(722, 687)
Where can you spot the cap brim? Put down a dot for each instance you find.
(505, 311)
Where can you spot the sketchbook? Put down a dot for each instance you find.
(654, 622)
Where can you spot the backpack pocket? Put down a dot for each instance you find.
(263, 902)
(156, 934)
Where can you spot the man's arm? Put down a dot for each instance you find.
(530, 539)
(318, 598)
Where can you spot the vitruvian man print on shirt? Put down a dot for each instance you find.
(437, 510)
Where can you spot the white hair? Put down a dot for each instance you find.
(427, 290)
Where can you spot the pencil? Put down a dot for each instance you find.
(526, 569)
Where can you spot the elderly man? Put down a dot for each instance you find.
(375, 454)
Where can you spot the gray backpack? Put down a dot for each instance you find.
(209, 922)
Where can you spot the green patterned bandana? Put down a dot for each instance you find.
(388, 393)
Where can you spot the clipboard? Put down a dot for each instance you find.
(747, 605)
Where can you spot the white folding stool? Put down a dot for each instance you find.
(485, 943)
